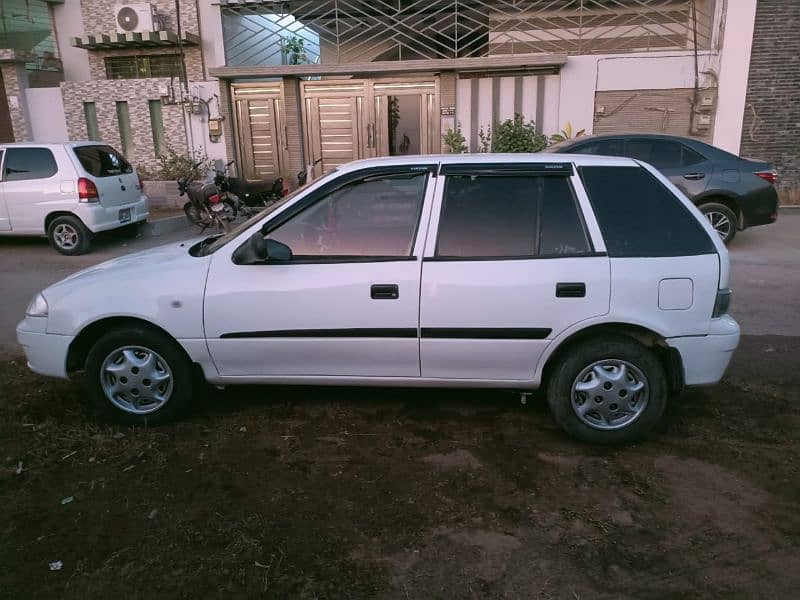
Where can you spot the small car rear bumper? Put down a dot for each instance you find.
(705, 358)
(100, 218)
(46, 352)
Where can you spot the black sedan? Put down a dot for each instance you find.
(733, 193)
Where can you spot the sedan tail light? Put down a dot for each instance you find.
(722, 303)
(87, 191)
(771, 176)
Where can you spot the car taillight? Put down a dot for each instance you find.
(771, 176)
(87, 191)
(722, 303)
(214, 199)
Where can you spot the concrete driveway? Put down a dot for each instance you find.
(766, 274)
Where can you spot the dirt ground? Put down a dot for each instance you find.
(355, 493)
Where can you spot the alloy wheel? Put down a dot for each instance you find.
(609, 394)
(136, 380)
(721, 223)
(65, 236)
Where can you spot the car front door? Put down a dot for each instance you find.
(511, 267)
(347, 302)
(687, 169)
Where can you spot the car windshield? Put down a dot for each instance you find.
(212, 244)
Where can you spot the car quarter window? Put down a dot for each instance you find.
(372, 217)
(487, 216)
(29, 163)
(640, 217)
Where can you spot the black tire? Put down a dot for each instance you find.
(721, 214)
(69, 236)
(182, 376)
(610, 348)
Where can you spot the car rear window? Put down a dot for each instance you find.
(102, 161)
(640, 217)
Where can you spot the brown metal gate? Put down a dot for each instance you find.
(361, 118)
(261, 129)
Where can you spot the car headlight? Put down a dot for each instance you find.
(37, 307)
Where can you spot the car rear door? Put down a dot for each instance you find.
(510, 267)
(117, 183)
(689, 171)
(32, 186)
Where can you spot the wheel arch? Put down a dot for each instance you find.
(61, 213)
(722, 197)
(669, 357)
(88, 336)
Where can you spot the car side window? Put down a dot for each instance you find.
(513, 216)
(690, 157)
(662, 154)
(372, 217)
(640, 217)
(29, 163)
(610, 147)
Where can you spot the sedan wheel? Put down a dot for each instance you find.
(722, 219)
(136, 380)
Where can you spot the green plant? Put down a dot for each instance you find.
(295, 49)
(173, 166)
(515, 135)
(484, 139)
(455, 141)
(566, 134)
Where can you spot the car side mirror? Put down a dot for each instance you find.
(259, 249)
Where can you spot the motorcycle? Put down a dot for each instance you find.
(247, 197)
(205, 207)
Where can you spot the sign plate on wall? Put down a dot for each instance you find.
(448, 111)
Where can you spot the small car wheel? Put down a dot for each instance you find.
(722, 219)
(608, 390)
(139, 376)
(68, 235)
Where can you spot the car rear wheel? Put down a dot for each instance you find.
(608, 390)
(722, 219)
(139, 376)
(68, 235)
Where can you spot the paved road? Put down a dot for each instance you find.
(766, 274)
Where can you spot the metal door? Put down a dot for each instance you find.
(261, 130)
(353, 119)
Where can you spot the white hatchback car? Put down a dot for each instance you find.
(591, 277)
(67, 191)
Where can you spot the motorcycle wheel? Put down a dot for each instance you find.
(191, 213)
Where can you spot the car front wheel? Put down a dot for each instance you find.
(139, 376)
(608, 390)
(722, 219)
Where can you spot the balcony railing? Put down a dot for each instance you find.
(348, 31)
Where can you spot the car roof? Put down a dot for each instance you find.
(484, 158)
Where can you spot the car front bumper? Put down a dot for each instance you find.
(101, 218)
(705, 358)
(46, 352)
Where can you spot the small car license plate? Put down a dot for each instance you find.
(125, 215)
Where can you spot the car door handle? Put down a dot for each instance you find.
(570, 290)
(384, 291)
(694, 176)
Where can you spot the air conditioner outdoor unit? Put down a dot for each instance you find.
(136, 17)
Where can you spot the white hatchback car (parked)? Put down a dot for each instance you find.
(68, 192)
(591, 277)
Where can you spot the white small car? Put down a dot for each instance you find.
(591, 277)
(68, 192)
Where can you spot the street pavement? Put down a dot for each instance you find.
(765, 275)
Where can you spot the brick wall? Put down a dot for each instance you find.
(11, 74)
(138, 93)
(771, 129)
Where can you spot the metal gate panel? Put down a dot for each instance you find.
(260, 129)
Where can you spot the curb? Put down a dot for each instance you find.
(164, 226)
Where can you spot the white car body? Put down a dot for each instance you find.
(27, 205)
(232, 320)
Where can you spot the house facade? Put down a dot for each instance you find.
(277, 86)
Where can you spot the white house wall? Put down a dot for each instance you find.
(46, 111)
